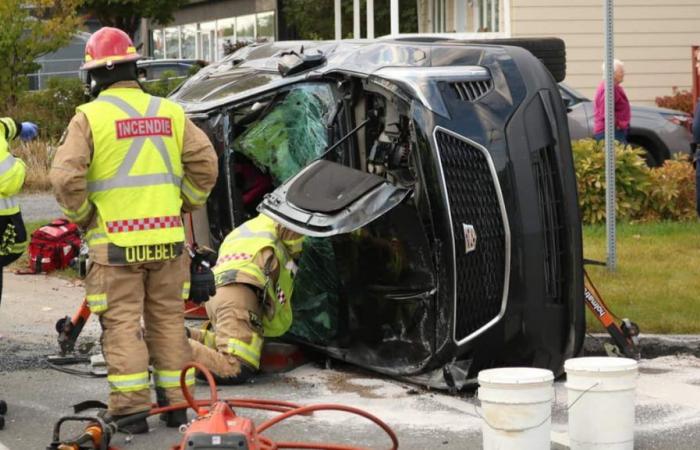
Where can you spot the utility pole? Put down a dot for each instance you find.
(610, 137)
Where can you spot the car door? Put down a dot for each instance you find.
(327, 199)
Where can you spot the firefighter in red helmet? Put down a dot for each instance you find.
(129, 164)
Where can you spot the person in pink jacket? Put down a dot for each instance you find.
(623, 114)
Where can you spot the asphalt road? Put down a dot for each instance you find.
(667, 412)
(39, 206)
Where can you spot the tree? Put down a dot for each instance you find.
(127, 14)
(30, 30)
(314, 19)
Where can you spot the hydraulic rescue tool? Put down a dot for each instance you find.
(216, 426)
(625, 336)
(69, 328)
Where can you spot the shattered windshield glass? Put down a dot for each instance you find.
(292, 134)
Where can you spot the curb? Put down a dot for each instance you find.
(652, 345)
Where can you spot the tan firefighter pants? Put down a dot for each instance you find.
(237, 338)
(121, 295)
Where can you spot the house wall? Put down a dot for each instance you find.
(652, 38)
(204, 11)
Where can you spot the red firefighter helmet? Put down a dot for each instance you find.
(108, 46)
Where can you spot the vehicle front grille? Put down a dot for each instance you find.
(474, 200)
(551, 214)
(471, 91)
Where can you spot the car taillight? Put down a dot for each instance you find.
(678, 119)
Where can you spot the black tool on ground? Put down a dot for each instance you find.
(96, 436)
(69, 329)
(625, 335)
(3, 411)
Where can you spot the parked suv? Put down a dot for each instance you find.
(660, 132)
(435, 182)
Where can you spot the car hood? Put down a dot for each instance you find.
(254, 69)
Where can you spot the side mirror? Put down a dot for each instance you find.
(292, 63)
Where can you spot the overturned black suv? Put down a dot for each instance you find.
(435, 181)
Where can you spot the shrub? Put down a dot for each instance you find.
(672, 191)
(643, 194)
(632, 180)
(680, 100)
(51, 108)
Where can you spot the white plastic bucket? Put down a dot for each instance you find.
(601, 402)
(516, 408)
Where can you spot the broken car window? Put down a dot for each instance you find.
(292, 134)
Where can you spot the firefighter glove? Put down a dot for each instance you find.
(202, 285)
(28, 131)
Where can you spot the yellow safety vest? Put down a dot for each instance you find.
(12, 170)
(236, 254)
(135, 177)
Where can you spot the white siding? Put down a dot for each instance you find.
(652, 37)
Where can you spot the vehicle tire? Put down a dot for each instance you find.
(3, 407)
(2, 422)
(551, 51)
(653, 155)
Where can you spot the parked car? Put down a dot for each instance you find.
(153, 69)
(660, 132)
(435, 182)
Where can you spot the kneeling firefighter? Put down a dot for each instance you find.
(254, 278)
(129, 165)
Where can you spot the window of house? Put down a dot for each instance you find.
(225, 36)
(188, 41)
(207, 40)
(245, 28)
(478, 16)
(158, 44)
(265, 26)
(488, 15)
(172, 42)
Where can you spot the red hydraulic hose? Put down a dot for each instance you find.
(326, 407)
(286, 409)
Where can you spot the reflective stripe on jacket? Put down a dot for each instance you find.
(135, 176)
(12, 170)
(237, 254)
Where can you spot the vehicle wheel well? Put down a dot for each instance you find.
(657, 152)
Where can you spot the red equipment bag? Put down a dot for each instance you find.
(53, 246)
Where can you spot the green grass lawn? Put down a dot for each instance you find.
(657, 282)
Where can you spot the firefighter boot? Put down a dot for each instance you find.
(172, 419)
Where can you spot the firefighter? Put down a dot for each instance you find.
(13, 235)
(129, 164)
(254, 278)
